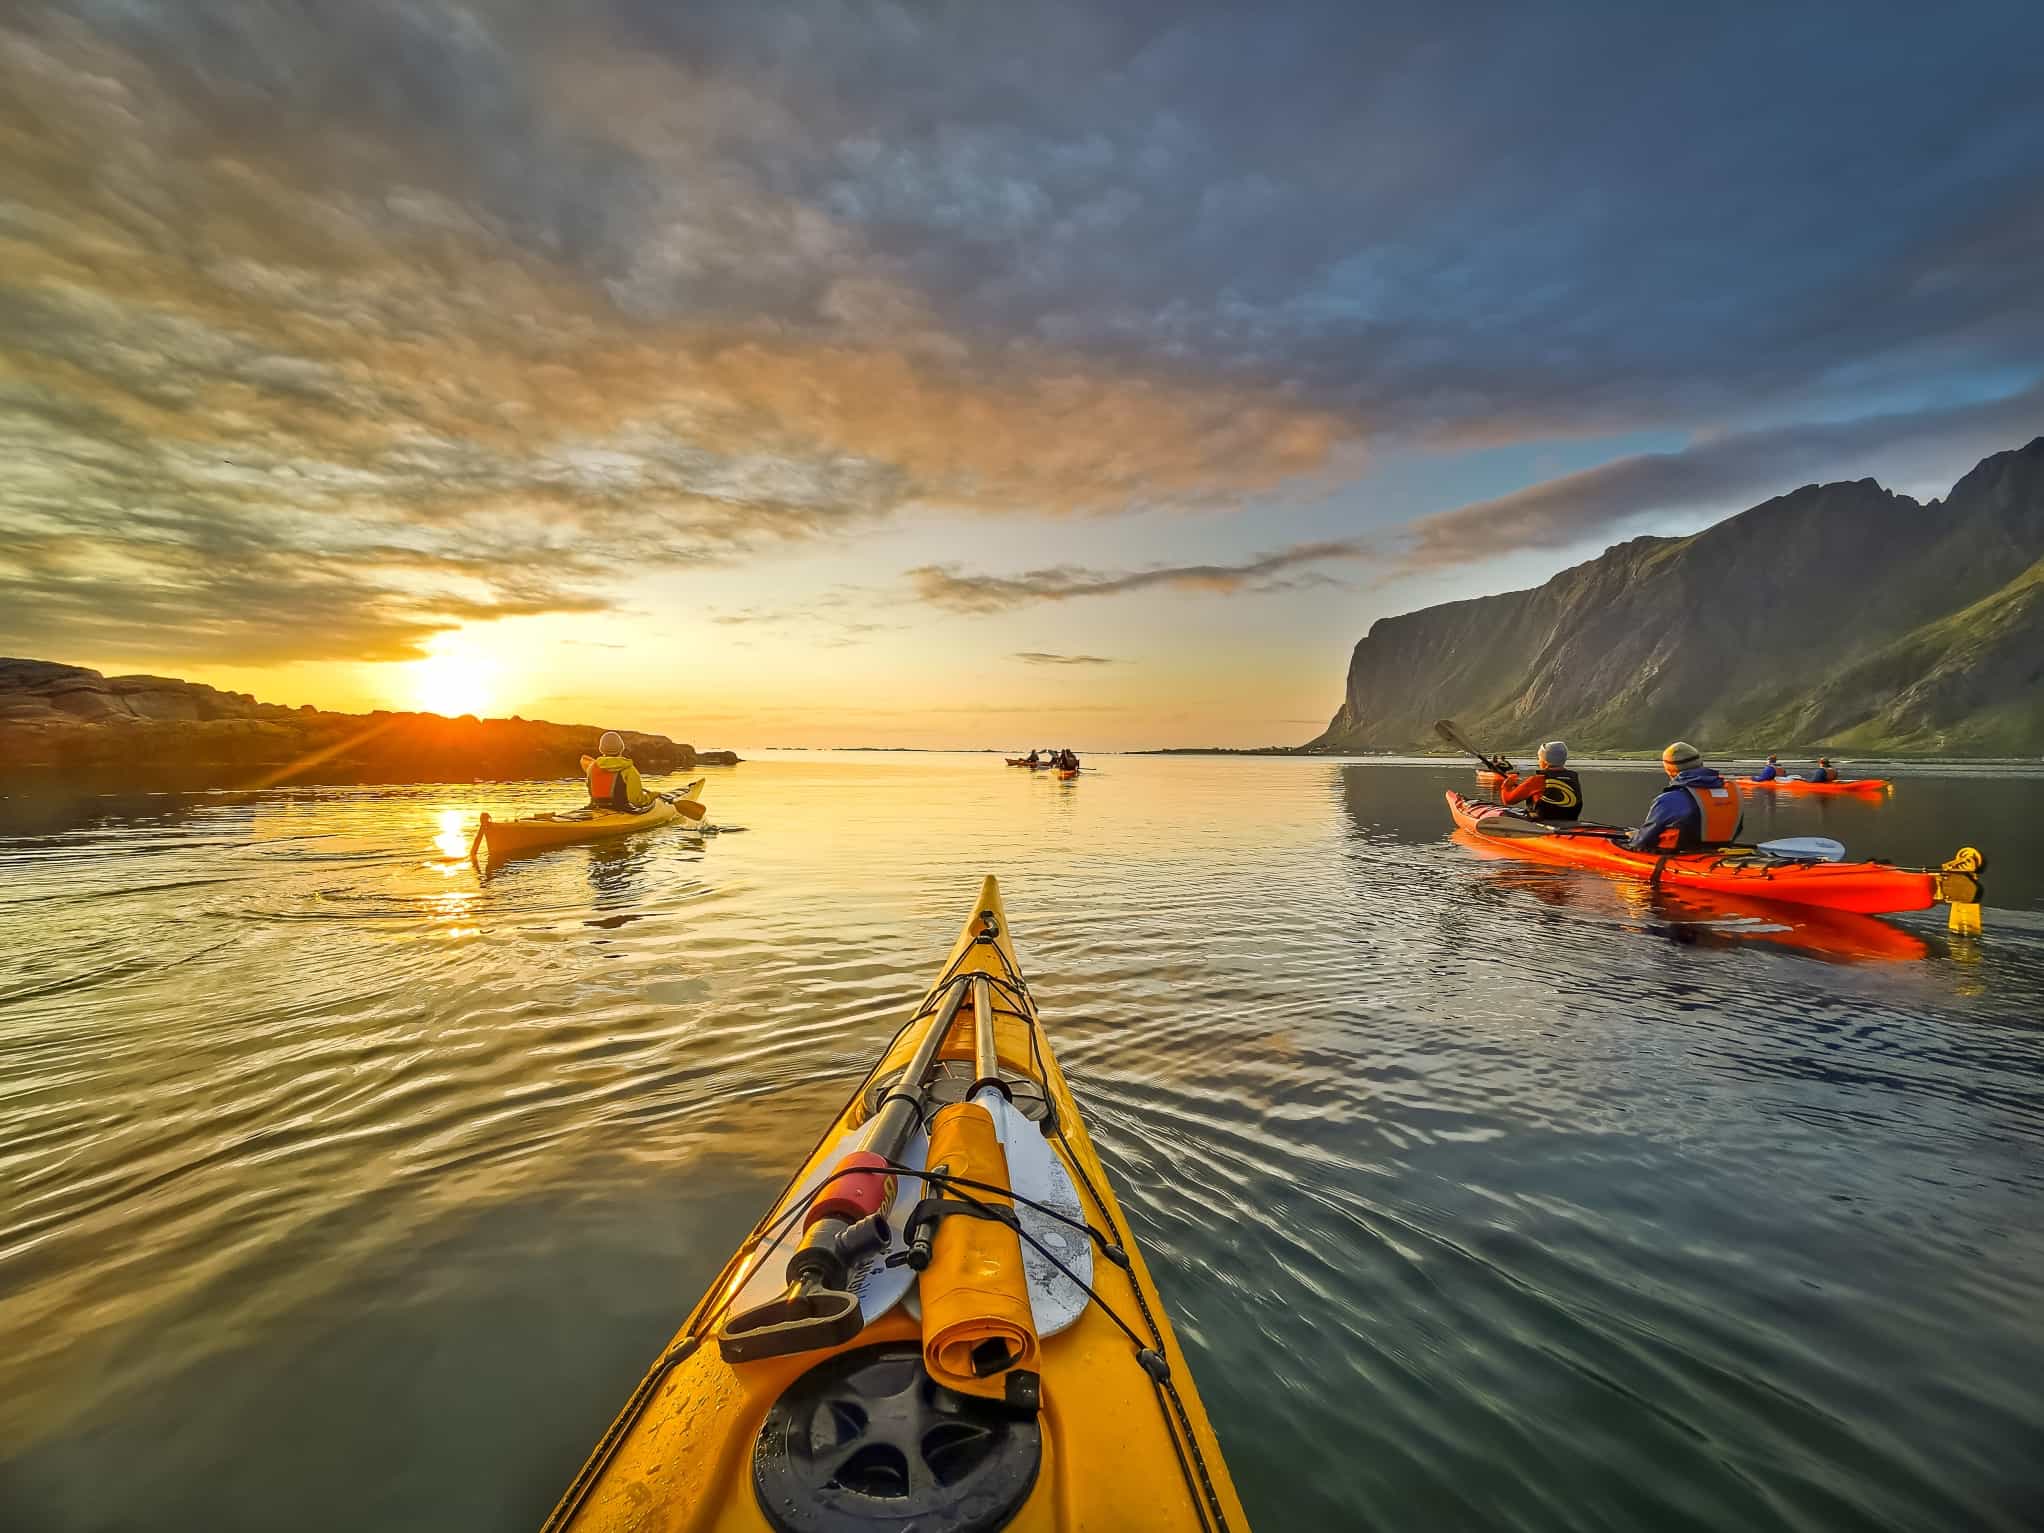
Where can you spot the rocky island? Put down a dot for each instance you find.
(64, 723)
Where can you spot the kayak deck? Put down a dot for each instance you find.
(1117, 1450)
(1870, 888)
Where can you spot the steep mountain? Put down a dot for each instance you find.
(1837, 615)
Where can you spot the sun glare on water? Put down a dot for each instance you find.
(451, 684)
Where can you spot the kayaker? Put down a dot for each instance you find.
(613, 780)
(1697, 809)
(1823, 771)
(1032, 761)
(1550, 792)
(1769, 772)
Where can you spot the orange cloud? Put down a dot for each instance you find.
(305, 349)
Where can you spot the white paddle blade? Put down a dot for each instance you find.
(1805, 849)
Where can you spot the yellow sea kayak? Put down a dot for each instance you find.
(803, 1393)
(533, 832)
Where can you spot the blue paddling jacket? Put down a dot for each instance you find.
(1675, 820)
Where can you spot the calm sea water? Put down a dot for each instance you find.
(341, 1189)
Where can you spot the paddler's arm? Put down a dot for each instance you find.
(1514, 790)
(1664, 811)
(635, 788)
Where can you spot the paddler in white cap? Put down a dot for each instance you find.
(613, 779)
(1549, 792)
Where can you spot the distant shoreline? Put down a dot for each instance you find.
(69, 727)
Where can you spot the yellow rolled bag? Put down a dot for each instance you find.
(979, 1336)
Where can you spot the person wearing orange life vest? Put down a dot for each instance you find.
(1823, 771)
(1696, 811)
(613, 780)
(1550, 792)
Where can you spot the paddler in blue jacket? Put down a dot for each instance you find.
(1769, 772)
(1823, 771)
(1697, 810)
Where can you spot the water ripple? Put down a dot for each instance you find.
(1485, 1195)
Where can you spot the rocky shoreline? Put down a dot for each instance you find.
(66, 725)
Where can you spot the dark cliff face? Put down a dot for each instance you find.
(69, 723)
(1837, 614)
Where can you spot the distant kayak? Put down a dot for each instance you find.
(1797, 785)
(1487, 779)
(1871, 888)
(536, 832)
(1068, 771)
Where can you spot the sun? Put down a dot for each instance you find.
(451, 684)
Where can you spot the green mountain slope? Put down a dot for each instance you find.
(1838, 614)
(1968, 684)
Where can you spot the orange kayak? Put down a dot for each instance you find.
(1867, 785)
(1871, 888)
(1708, 917)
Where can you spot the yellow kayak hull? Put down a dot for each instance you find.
(1116, 1452)
(536, 832)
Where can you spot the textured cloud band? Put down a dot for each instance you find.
(289, 370)
(957, 590)
(407, 314)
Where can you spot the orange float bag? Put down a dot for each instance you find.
(977, 1326)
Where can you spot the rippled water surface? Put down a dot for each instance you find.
(340, 1188)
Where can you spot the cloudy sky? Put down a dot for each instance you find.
(957, 374)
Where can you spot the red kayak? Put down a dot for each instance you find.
(1710, 918)
(1797, 785)
(1871, 888)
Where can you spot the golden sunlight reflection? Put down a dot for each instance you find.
(452, 839)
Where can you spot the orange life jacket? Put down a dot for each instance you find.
(1720, 817)
(608, 785)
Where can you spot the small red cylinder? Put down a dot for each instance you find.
(853, 1197)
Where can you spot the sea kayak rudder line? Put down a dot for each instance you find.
(803, 1393)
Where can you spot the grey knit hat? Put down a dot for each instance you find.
(1554, 753)
(1682, 753)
